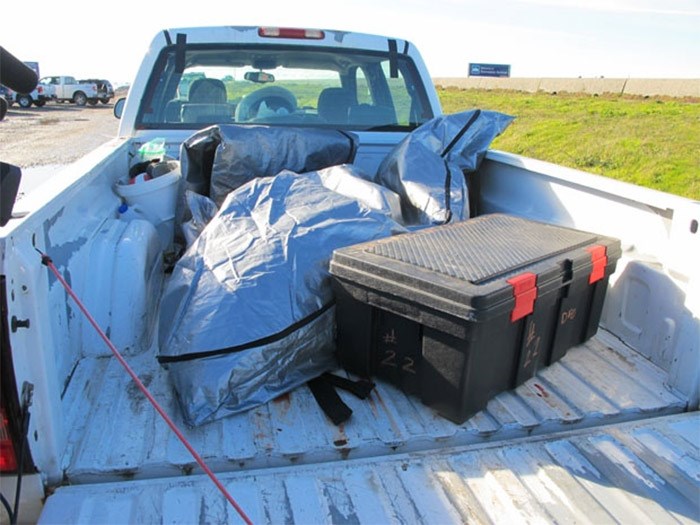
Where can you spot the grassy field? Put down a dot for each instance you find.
(646, 141)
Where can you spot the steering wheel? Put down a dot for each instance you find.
(271, 100)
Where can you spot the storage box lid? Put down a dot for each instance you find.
(478, 268)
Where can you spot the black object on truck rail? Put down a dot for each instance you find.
(15, 74)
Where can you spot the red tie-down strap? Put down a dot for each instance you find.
(599, 260)
(46, 261)
(525, 292)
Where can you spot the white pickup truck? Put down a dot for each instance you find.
(610, 433)
(38, 97)
(68, 89)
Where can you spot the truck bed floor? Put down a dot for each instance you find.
(637, 472)
(115, 433)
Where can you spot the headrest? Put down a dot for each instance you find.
(207, 91)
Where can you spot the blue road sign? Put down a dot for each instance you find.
(489, 70)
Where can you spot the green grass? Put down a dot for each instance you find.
(652, 142)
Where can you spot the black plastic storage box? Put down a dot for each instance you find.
(459, 313)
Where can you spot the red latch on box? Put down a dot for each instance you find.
(599, 260)
(525, 293)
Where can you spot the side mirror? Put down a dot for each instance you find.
(119, 107)
(9, 186)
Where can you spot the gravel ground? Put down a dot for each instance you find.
(54, 134)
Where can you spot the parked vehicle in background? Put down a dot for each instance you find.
(68, 89)
(105, 91)
(7, 94)
(38, 97)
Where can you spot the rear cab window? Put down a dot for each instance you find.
(283, 85)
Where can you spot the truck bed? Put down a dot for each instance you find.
(119, 436)
(636, 472)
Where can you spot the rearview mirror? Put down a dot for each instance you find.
(259, 77)
(119, 107)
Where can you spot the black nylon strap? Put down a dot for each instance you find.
(448, 183)
(180, 41)
(461, 132)
(393, 64)
(361, 388)
(329, 400)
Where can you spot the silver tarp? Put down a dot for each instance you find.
(219, 159)
(202, 210)
(346, 179)
(247, 313)
(350, 181)
(427, 168)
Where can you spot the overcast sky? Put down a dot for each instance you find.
(552, 38)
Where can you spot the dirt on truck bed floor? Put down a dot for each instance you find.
(55, 133)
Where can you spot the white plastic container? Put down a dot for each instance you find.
(124, 301)
(156, 200)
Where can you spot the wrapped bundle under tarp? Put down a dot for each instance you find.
(201, 210)
(247, 314)
(346, 179)
(219, 159)
(352, 182)
(427, 167)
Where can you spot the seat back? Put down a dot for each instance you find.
(206, 113)
(370, 115)
(333, 105)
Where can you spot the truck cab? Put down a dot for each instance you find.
(371, 86)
